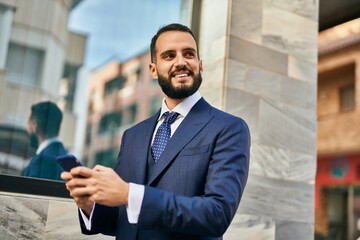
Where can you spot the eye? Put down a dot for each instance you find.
(168, 56)
(189, 54)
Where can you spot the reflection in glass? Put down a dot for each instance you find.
(43, 126)
(14, 148)
(24, 64)
(87, 58)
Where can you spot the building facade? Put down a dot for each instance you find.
(38, 56)
(119, 95)
(337, 201)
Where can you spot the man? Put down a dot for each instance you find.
(43, 126)
(189, 189)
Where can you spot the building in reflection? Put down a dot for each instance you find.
(120, 94)
(38, 56)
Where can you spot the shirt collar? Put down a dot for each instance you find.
(184, 107)
(46, 143)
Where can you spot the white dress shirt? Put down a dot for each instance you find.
(136, 191)
(46, 143)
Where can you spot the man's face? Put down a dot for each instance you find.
(176, 65)
(31, 125)
(33, 139)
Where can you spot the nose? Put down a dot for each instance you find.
(180, 61)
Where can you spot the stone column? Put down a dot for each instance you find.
(260, 63)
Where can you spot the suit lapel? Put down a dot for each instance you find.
(196, 120)
(142, 143)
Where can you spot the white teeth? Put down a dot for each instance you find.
(182, 75)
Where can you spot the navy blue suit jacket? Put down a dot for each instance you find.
(44, 165)
(196, 185)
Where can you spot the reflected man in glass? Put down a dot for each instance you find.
(44, 126)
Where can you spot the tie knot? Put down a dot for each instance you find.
(170, 117)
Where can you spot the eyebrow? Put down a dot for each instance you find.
(190, 49)
(171, 51)
(166, 52)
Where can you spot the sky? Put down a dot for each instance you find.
(120, 28)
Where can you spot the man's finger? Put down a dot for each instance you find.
(81, 171)
(100, 168)
(81, 200)
(82, 192)
(78, 182)
(66, 176)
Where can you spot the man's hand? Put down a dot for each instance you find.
(100, 184)
(82, 202)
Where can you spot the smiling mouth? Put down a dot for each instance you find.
(181, 75)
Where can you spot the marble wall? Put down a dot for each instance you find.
(35, 217)
(260, 63)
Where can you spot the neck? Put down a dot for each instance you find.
(41, 139)
(172, 103)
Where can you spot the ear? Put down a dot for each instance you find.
(35, 128)
(153, 71)
(201, 66)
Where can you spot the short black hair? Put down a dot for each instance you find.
(47, 117)
(168, 28)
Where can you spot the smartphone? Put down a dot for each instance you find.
(68, 161)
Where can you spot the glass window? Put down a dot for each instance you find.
(129, 114)
(6, 15)
(24, 65)
(58, 62)
(347, 98)
(110, 122)
(336, 90)
(114, 85)
(14, 149)
(68, 86)
(106, 158)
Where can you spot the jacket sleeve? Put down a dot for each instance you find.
(49, 168)
(104, 219)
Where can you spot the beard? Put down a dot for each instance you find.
(183, 91)
(33, 141)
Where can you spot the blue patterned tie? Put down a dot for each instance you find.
(162, 135)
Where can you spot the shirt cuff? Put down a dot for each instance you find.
(136, 196)
(87, 221)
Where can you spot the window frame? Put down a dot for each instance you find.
(33, 186)
(6, 16)
(28, 51)
(344, 92)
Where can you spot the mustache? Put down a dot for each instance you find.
(179, 69)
